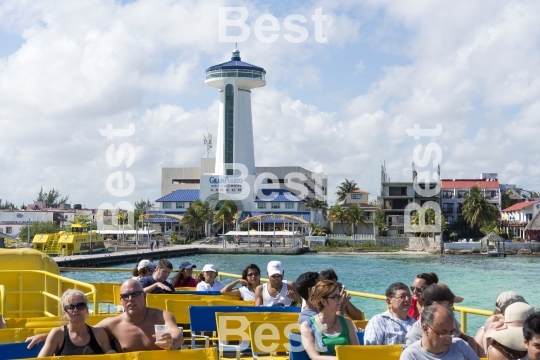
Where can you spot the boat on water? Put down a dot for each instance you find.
(78, 241)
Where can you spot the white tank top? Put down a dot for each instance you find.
(268, 300)
(246, 294)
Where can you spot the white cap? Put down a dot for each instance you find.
(146, 264)
(274, 267)
(209, 267)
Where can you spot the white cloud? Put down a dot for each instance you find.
(472, 66)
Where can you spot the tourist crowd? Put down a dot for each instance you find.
(420, 317)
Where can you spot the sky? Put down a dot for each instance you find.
(338, 100)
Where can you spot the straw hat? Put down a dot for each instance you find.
(510, 334)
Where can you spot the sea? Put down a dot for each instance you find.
(478, 279)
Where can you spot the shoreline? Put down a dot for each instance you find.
(399, 252)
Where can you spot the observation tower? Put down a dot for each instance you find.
(235, 79)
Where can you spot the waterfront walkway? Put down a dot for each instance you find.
(132, 256)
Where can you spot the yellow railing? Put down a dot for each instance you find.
(464, 311)
(34, 293)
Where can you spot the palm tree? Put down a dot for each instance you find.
(317, 230)
(430, 218)
(477, 211)
(379, 219)
(491, 227)
(345, 187)
(227, 213)
(355, 216)
(196, 215)
(337, 214)
(317, 205)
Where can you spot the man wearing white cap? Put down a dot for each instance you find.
(277, 292)
(209, 272)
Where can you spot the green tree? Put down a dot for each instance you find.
(52, 199)
(491, 226)
(317, 230)
(7, 205)
(345, 187)
(476, 209)
(196, 215)
(337, 214)
(48, 227)
(141, 208)
(318, 205)
(226, 213)
(355, 217)
(379, 219)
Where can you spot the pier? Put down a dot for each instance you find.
(133, 256)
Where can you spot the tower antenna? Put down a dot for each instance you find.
(207, 142)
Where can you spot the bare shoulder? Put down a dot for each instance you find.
(109, 322)
(99, 332)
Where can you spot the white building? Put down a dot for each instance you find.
(217, 179)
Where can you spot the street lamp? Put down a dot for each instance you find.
(29, 222)
(91, 229)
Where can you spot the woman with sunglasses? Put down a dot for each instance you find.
(76, 338)
(325, 330)
(420, 283)
(251, 278)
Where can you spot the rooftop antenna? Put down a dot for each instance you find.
(207, 142)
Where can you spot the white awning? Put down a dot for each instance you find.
(126, 232)
(262, 233)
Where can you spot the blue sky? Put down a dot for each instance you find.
(70, 68)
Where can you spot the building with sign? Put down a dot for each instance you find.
(232, 174)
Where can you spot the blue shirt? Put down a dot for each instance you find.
(149, 280)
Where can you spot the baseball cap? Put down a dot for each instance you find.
(146, 264)
(439, 292)
(186, 265)
(274, 267)
(508, 298)
(209, 267)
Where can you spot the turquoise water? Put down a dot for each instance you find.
(478, 279)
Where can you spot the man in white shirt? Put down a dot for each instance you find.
(440, 338)
(390, 327)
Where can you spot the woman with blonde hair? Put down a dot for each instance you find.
(325, 330)
(76, 338)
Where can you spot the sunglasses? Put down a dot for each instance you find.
(78, 306)
(134, 295)
(418, 289)
(276, 277)
(335, 297)
(253, 274)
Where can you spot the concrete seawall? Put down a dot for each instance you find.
(132, 256)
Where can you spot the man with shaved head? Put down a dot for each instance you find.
(133, 330)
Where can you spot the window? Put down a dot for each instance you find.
(179, 205)
(1, 229)
(356, 196)
(276, 205)
(289, 205)
(166, 205)
(9, 230)
(261, 205)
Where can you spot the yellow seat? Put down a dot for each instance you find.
(360, 324)
(386, 352)
(193, 354)
(19, 335)
(271, 338)
(239, 332)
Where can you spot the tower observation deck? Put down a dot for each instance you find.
(235, 79)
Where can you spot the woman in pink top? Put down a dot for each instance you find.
(184, 277)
